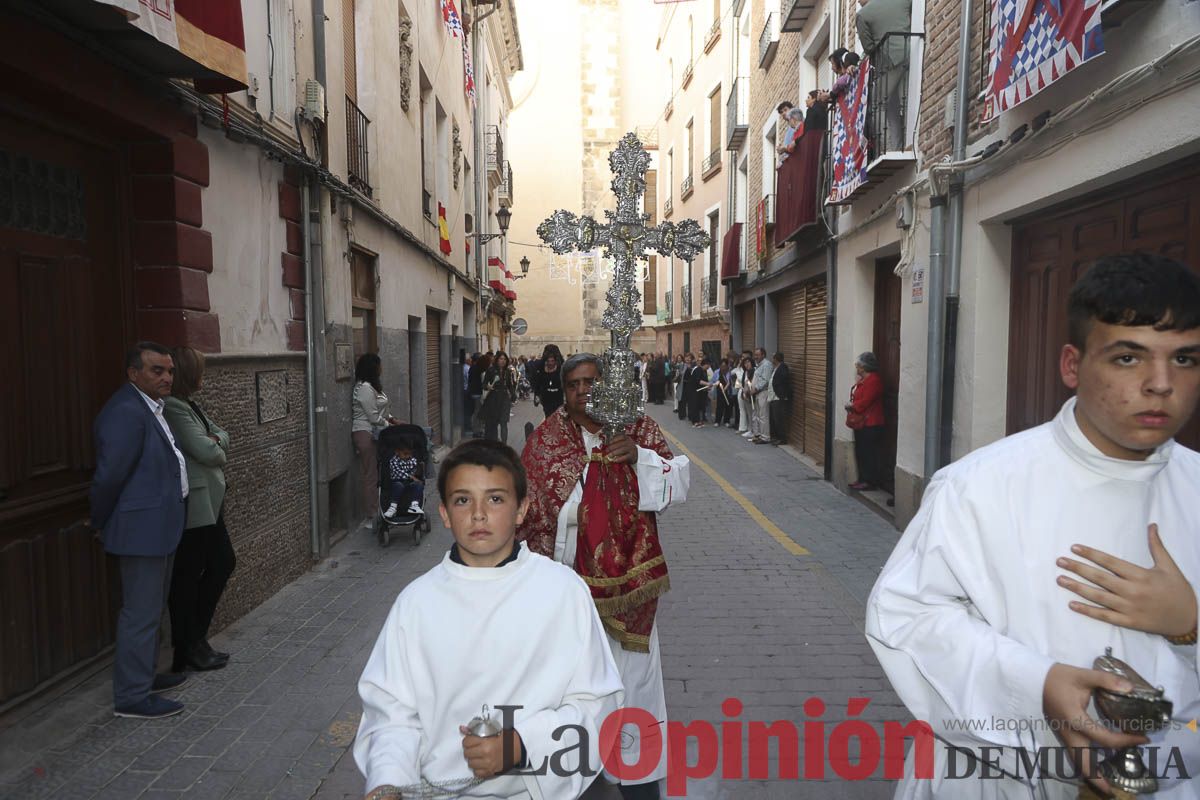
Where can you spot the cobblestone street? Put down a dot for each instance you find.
(764, 607)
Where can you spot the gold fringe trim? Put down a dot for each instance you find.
(633, 642)
(658, 560)
(214, 53)
(612, 606)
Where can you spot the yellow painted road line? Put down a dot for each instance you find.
(743, 501)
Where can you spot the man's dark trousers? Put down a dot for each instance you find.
(145, 581)
(778, 411)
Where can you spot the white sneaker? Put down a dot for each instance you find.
(415, 508)
(747, 435)
(391, 511)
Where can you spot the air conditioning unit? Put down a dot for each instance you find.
(314, 100)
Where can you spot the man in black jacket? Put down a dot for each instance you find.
(779, 400)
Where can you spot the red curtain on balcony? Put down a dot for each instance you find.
(731, 253)
(210, 32)
(796, 187)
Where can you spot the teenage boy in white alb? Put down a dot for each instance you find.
(491, 624)
(972, 617)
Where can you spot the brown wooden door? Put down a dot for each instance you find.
(1158, 213)
(790, 311)
(886, 346)
(64, 319)
(816, 368)
(433, 371)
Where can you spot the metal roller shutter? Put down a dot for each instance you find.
(746, 312)
(790, 312)
(433, 371)
(815, 371)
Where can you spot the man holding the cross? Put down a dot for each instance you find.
(593, 506)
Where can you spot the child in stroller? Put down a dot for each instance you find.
(402, 457)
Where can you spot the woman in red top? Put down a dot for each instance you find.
(864, 414)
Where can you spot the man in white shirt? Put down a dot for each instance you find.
(137, 502)
(593, 506)
(971, 616)
(760, 423)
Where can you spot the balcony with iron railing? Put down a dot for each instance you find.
(358, 156)
(647, 135)
(711, 165)
(768, 41)
(668, 208)
(688, 72)
(669, 109)
(714, 34)
(708, 291)
(686, 188)
(668, 307)
(495, 156)
(737, 113)
(796, 14)
(885, 130)
(685, 304)
(504, 192)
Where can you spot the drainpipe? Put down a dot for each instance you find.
(935, 286)
(831, 295)
(314, 522)
(955, 232)
(314, 310)
(318, 24)
(480, 173)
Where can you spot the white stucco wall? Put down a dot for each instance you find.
(241, 210)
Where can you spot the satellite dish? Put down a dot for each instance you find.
(519, 326)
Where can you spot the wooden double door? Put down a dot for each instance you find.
(64, 321)
(1159, 213)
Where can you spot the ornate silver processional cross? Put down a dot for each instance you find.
(616, 398)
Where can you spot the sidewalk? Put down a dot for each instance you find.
(745, 618)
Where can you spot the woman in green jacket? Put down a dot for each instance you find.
(205, 558)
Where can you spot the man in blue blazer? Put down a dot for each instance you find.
(137, 500)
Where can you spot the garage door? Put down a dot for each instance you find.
(1158, 214)
(746, 318)
(433, 371)
(791, 310)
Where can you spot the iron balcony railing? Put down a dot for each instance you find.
(685, 188)
(714, 33)
(668, 208)
(668, 306)
(887, 95)
(427, 204)
(688, 71)
(670, 109)
(708, 290)
(648, 136)
(685, 297)
(504, 192)
(358, 157)
(495, 156)
(737, 113)
(710, 165)
(768, 41)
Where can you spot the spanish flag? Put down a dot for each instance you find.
(443, 230)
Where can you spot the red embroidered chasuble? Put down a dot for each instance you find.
(618, 553)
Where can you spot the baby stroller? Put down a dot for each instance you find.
(411, 437)
(523, 387)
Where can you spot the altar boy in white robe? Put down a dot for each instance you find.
(594, 506)
(492, 624)
(973, 617)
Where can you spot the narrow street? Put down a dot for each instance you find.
(766, 607)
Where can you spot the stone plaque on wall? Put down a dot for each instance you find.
(272, 395)
(343, 358)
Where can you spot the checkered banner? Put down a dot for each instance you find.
(1033, 44)
(849, 141)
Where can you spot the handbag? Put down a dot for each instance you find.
(855, 421)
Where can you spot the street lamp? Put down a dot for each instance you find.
(503, 217)
(524, 268)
